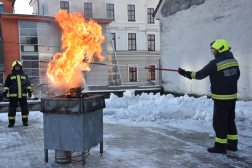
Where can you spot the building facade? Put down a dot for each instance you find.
(134, 34)
(188, 28)
(6, 6)
(34, 40)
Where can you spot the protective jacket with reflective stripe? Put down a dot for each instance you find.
(17, 83)
(223, 72)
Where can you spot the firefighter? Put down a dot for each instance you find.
(17, 84)
(224, 73)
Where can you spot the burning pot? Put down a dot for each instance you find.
(75, 93)
(75, 90)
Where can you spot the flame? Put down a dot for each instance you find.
(81, 40)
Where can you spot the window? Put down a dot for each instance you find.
(64, 5)
(1, 77)
(29, 48)
(110, 11)
(151, 72)
(131, 12)
(151, 42)
(133, 74)
(29, 40)
(88, 10)
(36, 43)
(150, 12)
(114, 39)
(132, 41)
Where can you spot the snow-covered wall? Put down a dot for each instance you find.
(186, 37)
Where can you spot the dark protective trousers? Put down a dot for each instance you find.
(223, 122)
(13, 106)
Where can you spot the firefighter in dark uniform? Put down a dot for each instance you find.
(18, 84)
(224, 73)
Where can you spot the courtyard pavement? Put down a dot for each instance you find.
(125, 145)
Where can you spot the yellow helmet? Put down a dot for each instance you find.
(220, 45)
(16, 63)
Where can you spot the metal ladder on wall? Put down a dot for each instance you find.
(114, 75)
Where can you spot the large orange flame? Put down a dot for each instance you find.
(81, 40)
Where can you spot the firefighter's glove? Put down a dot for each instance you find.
(182, 72)
(29, 94)
(4, 94)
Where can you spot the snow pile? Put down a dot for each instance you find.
(150, 107)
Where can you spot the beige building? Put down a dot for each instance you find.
(133, 37)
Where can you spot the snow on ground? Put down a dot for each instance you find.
(159, 108)
(157, 114)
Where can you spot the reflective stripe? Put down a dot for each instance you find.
(19, 86)
(232, 137)
(226, 61)
(13, 95)
(193, 75)
(220, 140)
(6, 88)
(224, 97)
(23, 77)
(11, 117)
(29, 87)
(13, 77)
(24, 116)
(226, 64)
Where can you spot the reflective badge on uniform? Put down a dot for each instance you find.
(13, 77)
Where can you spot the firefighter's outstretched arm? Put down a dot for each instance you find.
(201, 74)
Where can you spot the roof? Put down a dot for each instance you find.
(26, 17)
(159, 3)
(42, 18)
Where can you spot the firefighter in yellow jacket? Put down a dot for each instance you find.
(18, 85)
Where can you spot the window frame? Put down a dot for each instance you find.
(152, 71)
(134, 70)
(2, 76)
(88, 10)
(151, 16)
(131, 39)
(64, 8)
(130, 13)
(150, 40)
(33, 55)
(113, 10)
(114, 39)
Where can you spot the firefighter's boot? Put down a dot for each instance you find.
(232, 145)
(12, 116)
(25, 121)
(11, 123)
(218, 148)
